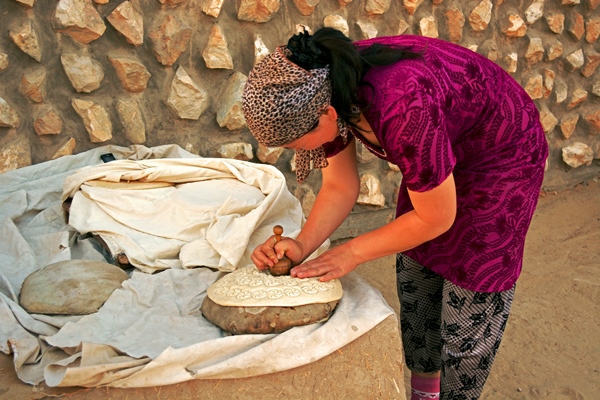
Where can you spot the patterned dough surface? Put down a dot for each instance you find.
(249, 287)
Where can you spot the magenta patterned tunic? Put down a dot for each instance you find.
(454, 111)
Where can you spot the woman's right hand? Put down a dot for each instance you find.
(270, 252)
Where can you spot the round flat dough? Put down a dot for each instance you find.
(250, 287)
(263, 320)
(73, 287)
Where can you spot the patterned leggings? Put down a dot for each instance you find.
(447, 328)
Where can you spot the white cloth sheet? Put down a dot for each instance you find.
(181, 238)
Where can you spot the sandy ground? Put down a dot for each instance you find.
(551, 347)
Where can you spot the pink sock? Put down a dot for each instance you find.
(424, 388)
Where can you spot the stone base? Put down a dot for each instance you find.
(371, 367)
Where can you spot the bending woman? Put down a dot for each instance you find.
(469, 144)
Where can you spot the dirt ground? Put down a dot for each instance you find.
(551, 347)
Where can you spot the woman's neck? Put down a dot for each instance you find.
(367, 132)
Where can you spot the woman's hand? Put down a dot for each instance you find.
(332, 264)
(270, 252)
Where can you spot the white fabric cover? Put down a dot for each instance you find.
(150, 332)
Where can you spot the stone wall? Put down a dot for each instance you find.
(77, 74)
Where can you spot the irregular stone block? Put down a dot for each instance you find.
(230, 114)
(534, 12)
(427, 27)
(548, 82)
(260, 49)
(3, 61)
(578, 97)
(548, 120)
(510, 62)
(15, 151)
(8, 115)
(66, 149)
(132, 74)
(47, 122)
(560, 88)
(593, 119)
(80, 20)
(556, 22)
(577, 155)
(258, 10)
(534, 86)
(172, 3)
(576, 26)
(489, 48)
(170, 39)
(308, 201)
(26, 38)
(269, 155)
(33, 84)
(402, 26)
(513, 26)
(306, 7)
(568, 124)
(338, 22)
(481, 15)
(237, 151)
(411, 5)
(212, 7)
(130, 116)
(186, 98)
(555, 50)
(596, 88)
(575, 59)
(455, 20)
(28, 3)
(216, 53)
(84, 73)
(535, 51)
(73, 287)
(370, 191)
(592, 29)
(95, 119)
(593, 60)
(367, 29)
(129, 22)
(377, 7)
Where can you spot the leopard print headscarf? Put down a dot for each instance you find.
(282, 101)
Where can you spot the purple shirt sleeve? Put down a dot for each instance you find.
(416, 140)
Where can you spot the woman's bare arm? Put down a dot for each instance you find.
(434, 213)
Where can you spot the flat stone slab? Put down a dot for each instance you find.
(252, 320)
(73, 287)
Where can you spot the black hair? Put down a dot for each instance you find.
(348, 65)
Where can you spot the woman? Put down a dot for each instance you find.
(471, 150)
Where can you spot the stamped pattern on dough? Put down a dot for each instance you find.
(250, 287)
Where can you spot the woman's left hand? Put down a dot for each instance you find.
(332, 264)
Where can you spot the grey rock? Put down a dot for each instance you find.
(73, 287)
